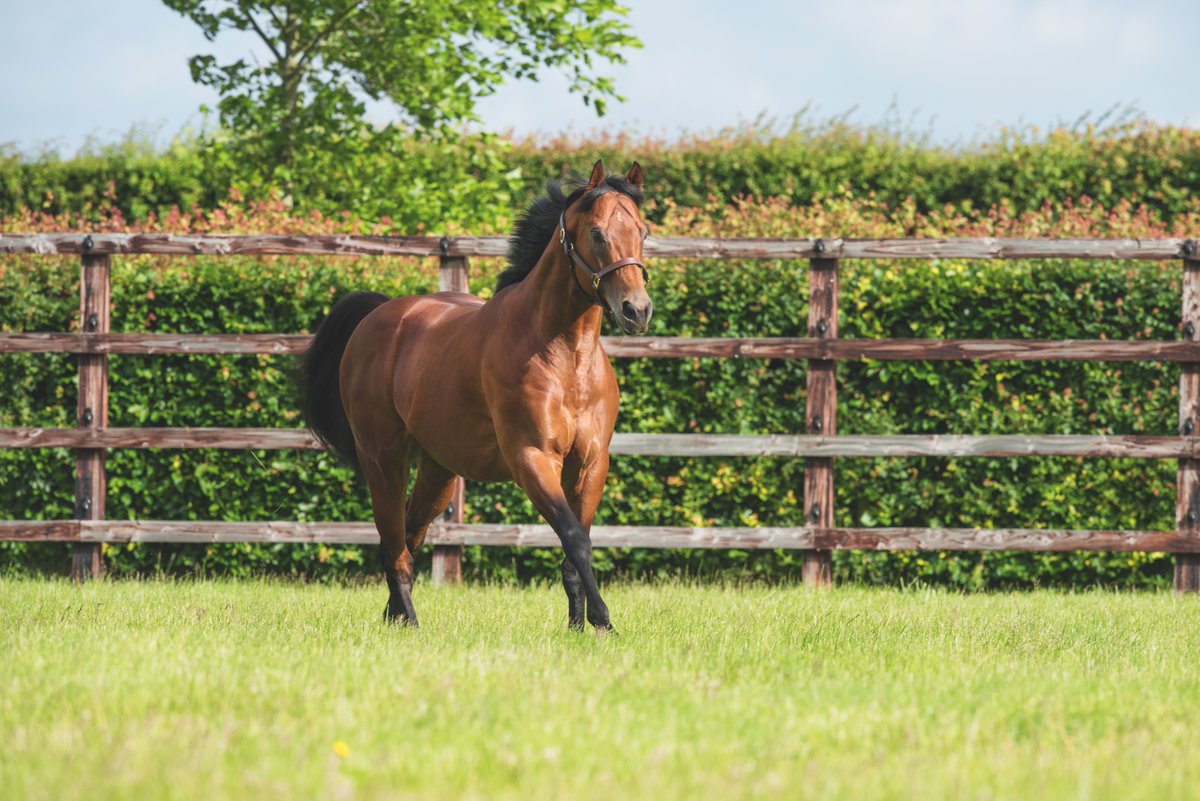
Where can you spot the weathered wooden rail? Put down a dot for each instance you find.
(819, 445)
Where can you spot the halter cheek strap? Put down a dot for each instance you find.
(597, 275)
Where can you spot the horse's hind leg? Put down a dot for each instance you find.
(388, 484)
(430, 496)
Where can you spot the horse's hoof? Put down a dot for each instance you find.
(605, 631)
(398, 618)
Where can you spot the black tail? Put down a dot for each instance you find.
(321, 396)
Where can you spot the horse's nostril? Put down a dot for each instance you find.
(628, 311)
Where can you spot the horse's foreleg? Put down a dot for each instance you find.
(576, 601)
(583, 486)
(541, 478)
(388, 485)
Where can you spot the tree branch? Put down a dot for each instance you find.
(262, 35)
(274, 18)
(307, 51)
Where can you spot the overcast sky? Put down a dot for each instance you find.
(955, 69)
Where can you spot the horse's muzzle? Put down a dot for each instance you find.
(634, 318)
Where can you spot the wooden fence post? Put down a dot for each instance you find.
(821, 416)
(94, 302)
(1187, 498)
(447, 559)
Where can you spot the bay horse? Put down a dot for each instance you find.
(517, 388)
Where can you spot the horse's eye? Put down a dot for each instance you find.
(598, 236)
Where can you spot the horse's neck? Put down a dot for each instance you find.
(555, 305)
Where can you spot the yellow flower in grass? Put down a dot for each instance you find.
(341, 749)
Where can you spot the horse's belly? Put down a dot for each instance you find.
(443, 414)
(470, 450)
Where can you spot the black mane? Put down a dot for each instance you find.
(539, 222)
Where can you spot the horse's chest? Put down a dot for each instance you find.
(588, 415)
(589, 441)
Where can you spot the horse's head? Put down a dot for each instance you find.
(602, 234)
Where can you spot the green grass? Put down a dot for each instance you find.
(248, 690)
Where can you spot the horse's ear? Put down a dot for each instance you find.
(635, 175)
(597, 175)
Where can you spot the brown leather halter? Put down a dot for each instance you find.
(597, 275)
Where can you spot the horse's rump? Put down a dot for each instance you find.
(321, 397)
(412, 370)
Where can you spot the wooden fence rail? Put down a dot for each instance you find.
(659, 347)
(819, 445)
(813, 446)
(449, 534)
(657, 247)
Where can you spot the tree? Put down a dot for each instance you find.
(432, 59)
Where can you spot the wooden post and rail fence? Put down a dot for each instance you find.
(819, 445)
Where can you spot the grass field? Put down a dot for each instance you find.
(251, 690)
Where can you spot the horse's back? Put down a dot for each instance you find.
(399, 323)
(424, 309)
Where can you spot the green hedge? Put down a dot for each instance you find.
(1140, 163)
(479, 179)
(131, 176)
(408, 187)
(1048, 299)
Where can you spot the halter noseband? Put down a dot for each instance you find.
(569, 250)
